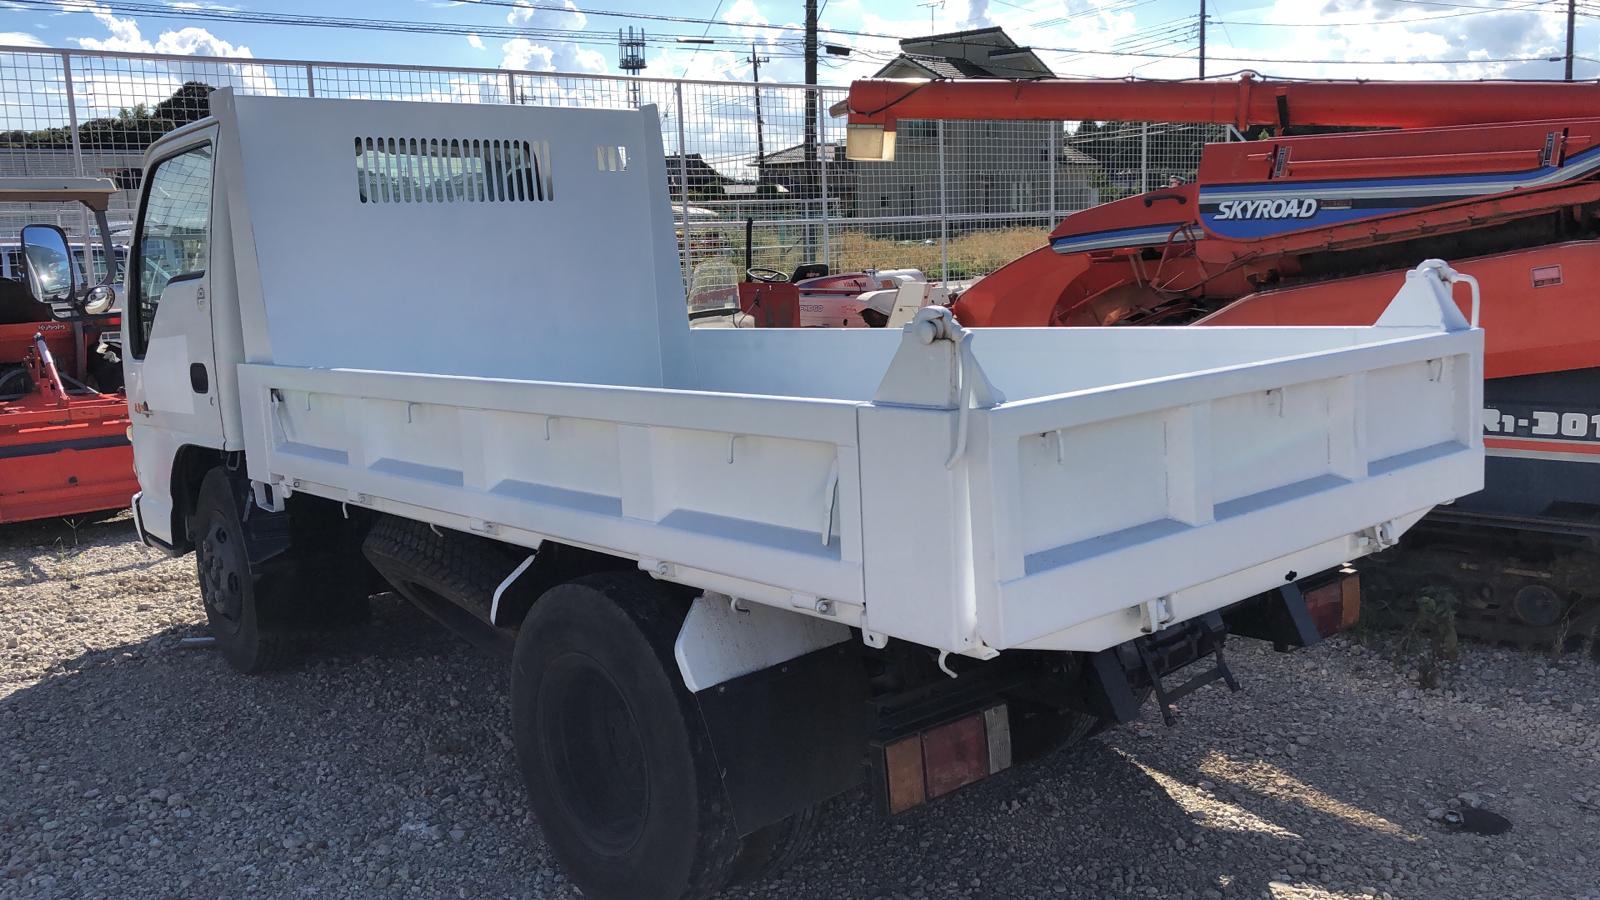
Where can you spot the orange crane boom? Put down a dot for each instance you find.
(876, 105)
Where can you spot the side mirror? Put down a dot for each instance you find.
(51, 274)
(101, 299)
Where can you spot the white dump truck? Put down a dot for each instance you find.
(443, 350)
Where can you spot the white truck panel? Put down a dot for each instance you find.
(439, 277)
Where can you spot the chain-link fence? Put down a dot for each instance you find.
(959, 200)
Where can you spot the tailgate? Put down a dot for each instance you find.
(1203, 489)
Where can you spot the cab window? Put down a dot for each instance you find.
(173, 239)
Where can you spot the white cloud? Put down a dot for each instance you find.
(475, 41)
(188, 41)
(562, 56)
(19, 39)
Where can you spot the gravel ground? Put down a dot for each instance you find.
(132, 767)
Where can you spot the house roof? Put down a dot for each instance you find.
(1072, 156)
(995, 31)
(795, 155)
(975, 53)
(939, 66)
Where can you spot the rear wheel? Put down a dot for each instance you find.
(617, 762)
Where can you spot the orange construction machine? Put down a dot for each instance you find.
(63, 416)
(1502, 179)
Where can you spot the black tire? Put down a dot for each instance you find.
(244, 607)
(768, 851)
(610, 742)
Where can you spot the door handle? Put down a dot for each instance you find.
(198, 378)
(142, 408)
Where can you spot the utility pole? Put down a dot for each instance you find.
(1203, 39)
(1572, 15)
(755, 76)
(811, 91)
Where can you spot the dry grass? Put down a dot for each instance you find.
(977, 253)
(972, 254)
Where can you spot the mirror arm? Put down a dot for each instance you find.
(104, 224)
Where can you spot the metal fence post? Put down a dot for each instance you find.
(683, 186)
(311, 81)
(1052, 161)
(72, 113)
(827, 153)
(944, 212)
(1144, 157)
(77, 146)
(511, 88)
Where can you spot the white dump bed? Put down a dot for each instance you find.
(524, 369)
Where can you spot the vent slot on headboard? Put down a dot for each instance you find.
(450, 170)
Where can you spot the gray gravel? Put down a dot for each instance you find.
(132, 767)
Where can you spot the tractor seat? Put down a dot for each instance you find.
(18, 306)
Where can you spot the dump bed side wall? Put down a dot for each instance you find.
(753, 496)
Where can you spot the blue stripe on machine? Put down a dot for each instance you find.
(1116, 237)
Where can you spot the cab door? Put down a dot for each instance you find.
(169, 361)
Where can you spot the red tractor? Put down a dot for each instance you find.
(63, 415)
(1502, 179)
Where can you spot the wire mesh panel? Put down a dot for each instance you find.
(415, 85)
(1133, 157)
(36, 139)
(756, 174)
(123, 104)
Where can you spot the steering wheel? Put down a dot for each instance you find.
(767, 275)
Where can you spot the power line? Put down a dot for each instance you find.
(1474, 11)
(603, 39)
(703, 35)
(160, 11)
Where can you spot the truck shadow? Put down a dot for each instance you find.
(389, 736)
(1089, 821)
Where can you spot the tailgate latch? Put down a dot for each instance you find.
(1156, 614)
(1379, 537)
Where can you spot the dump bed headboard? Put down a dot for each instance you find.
(463, 239)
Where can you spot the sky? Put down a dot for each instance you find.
(1426, 39)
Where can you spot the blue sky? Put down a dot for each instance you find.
(1407, 38)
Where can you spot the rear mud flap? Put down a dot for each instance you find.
(789, 736)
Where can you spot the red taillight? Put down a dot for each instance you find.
(955, 755)
(941, 759)
(1335, 606)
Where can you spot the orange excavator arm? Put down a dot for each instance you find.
(876, 105)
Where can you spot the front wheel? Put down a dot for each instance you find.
(239, 602)
(619, 768)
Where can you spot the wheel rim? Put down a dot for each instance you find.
(594, 753)
(218, 558)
